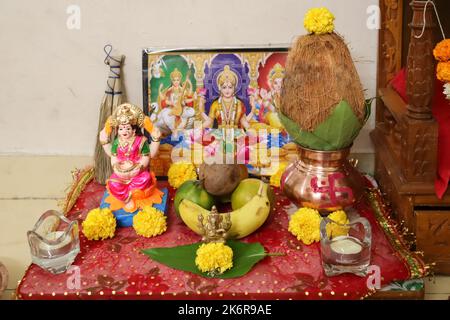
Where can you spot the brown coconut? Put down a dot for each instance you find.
(319, 74)
(222, 179)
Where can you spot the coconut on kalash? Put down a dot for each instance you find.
(323, 109)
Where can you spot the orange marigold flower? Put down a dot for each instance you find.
(443, 71)
(442, 50)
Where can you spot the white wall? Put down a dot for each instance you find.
(53, 78)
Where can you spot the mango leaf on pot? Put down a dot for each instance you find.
(338, 131)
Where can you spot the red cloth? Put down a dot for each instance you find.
(441, 112)
(116, 265)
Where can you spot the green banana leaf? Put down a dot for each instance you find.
(245, 256)
(338, 131)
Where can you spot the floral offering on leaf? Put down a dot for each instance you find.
(319, 21)
(149, 222)
(181, 172)
(305, 225)
(100, 224)
(214, 258)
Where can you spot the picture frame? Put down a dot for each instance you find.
(181, 86)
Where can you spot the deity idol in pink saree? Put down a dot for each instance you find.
(132, 185)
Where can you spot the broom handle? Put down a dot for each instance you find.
(115, 76)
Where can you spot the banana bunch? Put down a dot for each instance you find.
(244, 220)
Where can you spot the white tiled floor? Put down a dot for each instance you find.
(31, 185)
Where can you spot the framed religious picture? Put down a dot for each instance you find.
(223, 88)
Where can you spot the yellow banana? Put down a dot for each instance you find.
(244, 221)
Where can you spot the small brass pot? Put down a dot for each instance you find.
(323, 180)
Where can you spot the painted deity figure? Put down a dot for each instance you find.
(132, 185)
(228, 111)
(268, 102)
(176, 104)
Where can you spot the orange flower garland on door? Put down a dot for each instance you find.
(442, 54)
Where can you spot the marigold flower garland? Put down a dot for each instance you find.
(443, 71)
(180, 172)
(442, 54)
(442, 51)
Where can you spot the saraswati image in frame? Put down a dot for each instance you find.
(223, 88)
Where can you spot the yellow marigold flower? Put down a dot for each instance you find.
(305, 225)
(442, 50)
(319, 21)
(334, 230)
(99, 224)
(214, 257)
(180, 172)
(443, 71)
(275, 179)
(149, 222)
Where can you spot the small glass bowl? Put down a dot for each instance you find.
(54, 242)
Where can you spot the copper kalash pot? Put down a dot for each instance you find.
(323, 180)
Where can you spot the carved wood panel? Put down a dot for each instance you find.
(390, 37)
(420, 62)
(402, 206)
(433, 237)
(405, 136)
(390, 44)
(418, 155)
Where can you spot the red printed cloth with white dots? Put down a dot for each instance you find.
(116, 269)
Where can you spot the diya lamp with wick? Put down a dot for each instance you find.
(345, 248)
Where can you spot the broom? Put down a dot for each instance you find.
(112, 98)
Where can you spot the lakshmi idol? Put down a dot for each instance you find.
(132, 185)
(227, 110)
